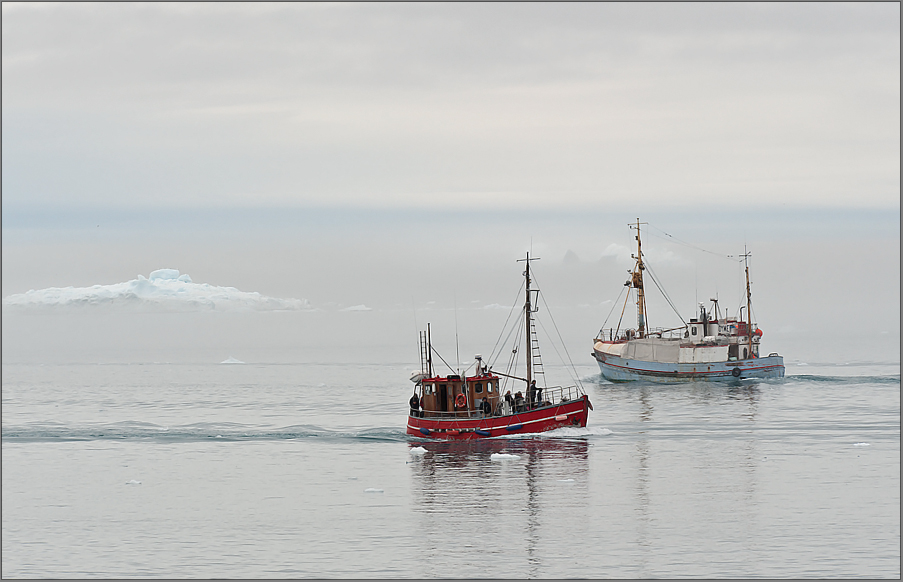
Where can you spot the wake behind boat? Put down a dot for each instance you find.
(461, 407)
(710, 347)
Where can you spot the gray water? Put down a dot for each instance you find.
(304, 470)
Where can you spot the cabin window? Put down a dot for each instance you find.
(693, 330)
(488, 386)
(479, 388)
(429, 389)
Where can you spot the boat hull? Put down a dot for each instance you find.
(571, 413)
(616, 369)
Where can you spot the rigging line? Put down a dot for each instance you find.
(678, 241)
(626, 299)
(613, 305)
(564, 347)
(662, 291)
(457, 351)
(441, 358)
(510, 331)
(573, 377)
(511, 369)
(513, 305)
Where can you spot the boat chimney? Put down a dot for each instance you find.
(479, 360)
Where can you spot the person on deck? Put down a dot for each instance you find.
(520, 405)
(507, 404)
(531, 393)
(537, 395)
(415, 405)
(486, 407)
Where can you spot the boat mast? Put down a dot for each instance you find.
(528, 353)
(748, 304)
(638, 283)
(528, 309)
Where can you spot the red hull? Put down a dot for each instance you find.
(574, 413)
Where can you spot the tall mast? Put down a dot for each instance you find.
(529, 351)
(748, 304)
(638, 283)
(528, 309)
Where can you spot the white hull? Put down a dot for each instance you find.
(617, 369)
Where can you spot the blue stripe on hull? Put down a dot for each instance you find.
(617, 369)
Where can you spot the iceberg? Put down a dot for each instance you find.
(166, 289)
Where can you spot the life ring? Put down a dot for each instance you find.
(735, 372)
(460, 401)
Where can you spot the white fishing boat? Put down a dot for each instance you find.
(711, 346)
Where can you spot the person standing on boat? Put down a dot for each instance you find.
(537, 393)
(486, 407)
(415, 404)
(509, 404)
(533, 394)
(520, 404)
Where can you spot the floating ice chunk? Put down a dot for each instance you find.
(231, 360)
(503, 457)
(418, 451)
(372, 490)
(219, 436)
(861, 444)
(133, 482)
(574, 431)
(565, 480)
(357, 308)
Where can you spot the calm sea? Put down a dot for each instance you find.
(304, 470)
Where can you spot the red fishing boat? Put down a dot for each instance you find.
(461, 407)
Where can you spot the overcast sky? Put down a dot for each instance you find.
(450, 105)
(403, 157)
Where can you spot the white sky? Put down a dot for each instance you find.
(451, 105)
(403, 156)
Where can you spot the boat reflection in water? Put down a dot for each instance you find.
(504, 496)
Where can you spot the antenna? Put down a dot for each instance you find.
(457, 352)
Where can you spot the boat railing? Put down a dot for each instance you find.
(551, 396)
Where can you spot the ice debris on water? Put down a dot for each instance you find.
(133, 482)
(565, 480)
(231, 360)
(503, 457)
(372, 490)
(418, 451)
(164, 288)
(861, 444)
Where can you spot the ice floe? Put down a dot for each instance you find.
(133, 482)
(372, 490)
(862, 444)
(503, 457)
(418, 451)
(357, 308)
(231, 360)
(574, 431)
(165, 289)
